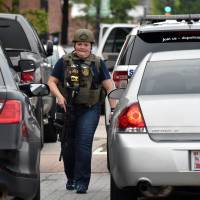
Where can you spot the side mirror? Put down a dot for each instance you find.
(116, 93)
(39, 89)
(35, 89)
(26, 65)
(49, 49)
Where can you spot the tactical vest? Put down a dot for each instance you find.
(85, 94)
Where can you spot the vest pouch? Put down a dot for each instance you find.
(94, 96)
(83, 96)
(88, 98)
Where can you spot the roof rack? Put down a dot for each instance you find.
(160, 18)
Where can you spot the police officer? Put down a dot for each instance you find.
(87, 74)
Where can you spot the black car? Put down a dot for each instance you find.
(21, 41)
(20, 138)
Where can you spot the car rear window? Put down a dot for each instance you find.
(12, 35)
(144, 43)
(171, 77)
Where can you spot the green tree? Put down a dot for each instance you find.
(178, 6)
(6, 9)
(119, 9)
(185, 6)
(38, 18)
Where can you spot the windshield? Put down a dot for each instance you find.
(171, 77)
(144, 43)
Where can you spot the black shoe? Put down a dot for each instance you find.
(81, 189)
(70, 185)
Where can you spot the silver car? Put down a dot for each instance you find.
(154, 137)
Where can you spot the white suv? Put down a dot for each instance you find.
(164, 33)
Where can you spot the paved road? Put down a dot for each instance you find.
(53, 179)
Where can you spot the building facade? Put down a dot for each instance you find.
(54, 10)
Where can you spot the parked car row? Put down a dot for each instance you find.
(155, 129)
(20, 136)
(27, 108)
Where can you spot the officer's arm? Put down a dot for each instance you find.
(108, 86)
(52, 83)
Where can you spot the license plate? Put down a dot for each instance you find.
(195, 160)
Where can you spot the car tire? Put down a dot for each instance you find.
(119, 194)
(50, 134)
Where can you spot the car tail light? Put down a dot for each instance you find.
(131, 118)
(28, 76)
(10, 112)
(120, 78)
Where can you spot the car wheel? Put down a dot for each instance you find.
(119, 194)
(50, 134)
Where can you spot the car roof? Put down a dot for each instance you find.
(10, 16)
(169, 27)
(168, 23)
(175, 55)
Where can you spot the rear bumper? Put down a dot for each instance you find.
(19, 185)
(136, 157)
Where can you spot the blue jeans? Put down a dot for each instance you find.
(77, 149)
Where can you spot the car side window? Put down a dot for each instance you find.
(116, 39)
(125, 56)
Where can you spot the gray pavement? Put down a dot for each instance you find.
(53, 179)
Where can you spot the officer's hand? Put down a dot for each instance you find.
(62, 102)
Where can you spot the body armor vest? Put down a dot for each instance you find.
(80, 77)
